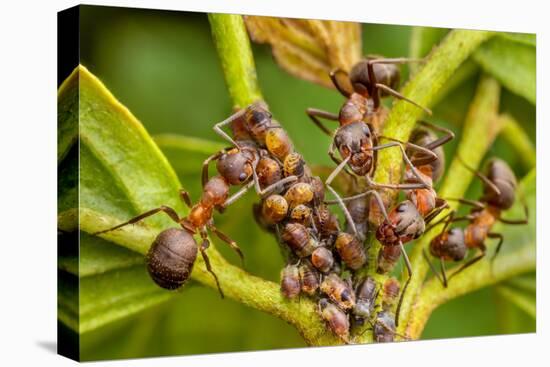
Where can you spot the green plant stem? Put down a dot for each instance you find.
(233, 45)
(480, 129)
(433, 294)
(236, 283)
(518, 139)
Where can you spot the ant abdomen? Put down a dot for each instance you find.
(502, 176)
(171, 257)
(387, 74)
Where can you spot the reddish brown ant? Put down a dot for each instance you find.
(499, 188)
(355, 139)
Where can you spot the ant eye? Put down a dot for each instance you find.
(401, 208)
(242, 176)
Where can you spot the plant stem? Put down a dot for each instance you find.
(233, 45)
(519, 140)
(480, 129)
(433, 294)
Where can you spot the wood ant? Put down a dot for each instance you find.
(355, 138)
(499, 188)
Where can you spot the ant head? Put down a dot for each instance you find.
(355, 141)
(454, 245)
(235, 166)
(502, 176)
(409, 223)
(387, 74)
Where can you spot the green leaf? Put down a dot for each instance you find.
(525, 38)
(512, 63)
(121, 173)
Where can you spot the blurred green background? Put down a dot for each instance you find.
(163, 66)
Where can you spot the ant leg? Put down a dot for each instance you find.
(218, 128)
(166, 209)
(449, 135)
(184, 196)
(333, 77)
(376, 195)
(281, 183)
(409, 271)
(443, 272)
(329, 180)
(499, 245)
(337, 160)
(314, 114)
(480, 175)
(206, 163)
(406, 159)
(227, 240)
(236, 195)
(203, 247)
(443, 279)
(468, 264)
(398, 95)
(427, 152)
(476, 204)
(375, 85)
(518, 221)
(440, 204)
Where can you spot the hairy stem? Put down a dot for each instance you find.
(480, 129)
(233, 45)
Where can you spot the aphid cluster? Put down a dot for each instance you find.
(324, 259)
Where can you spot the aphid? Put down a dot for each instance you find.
(338, 291)
(499, 186)
(384, 327)
(366, 294)
(269, 172)
(299, 193)
(274, 209)
(336, 319)
(351, 250)
(294, 165)
(301, 214)
(278, 143)
(322, 259)
(359, 212)
(325, 222)
(299, 239)
(290, 281)
(309, 278)
(390, 293)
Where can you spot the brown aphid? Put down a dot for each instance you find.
(322, 259)
(301, 214)
(384, 327)
(365, 294)
(269, 171)
(390, 293)
(274, 209)
(293, 165)
(387, 257)
(351, 250)
(325, 221)
(336, 319)
(290, 281)
(171, 257)
(278, 143)
(338, 291)
(298, 238)
(299, 193)
(309, 278)
(318, 189)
